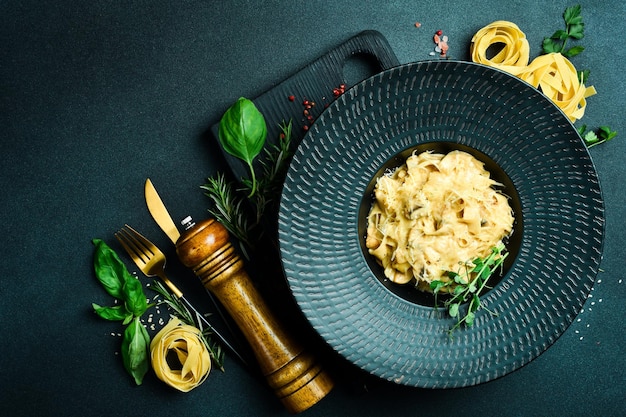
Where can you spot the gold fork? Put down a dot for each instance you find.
(151, 261)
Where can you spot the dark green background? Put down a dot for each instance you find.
(96, 96)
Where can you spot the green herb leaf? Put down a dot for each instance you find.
(469, 318)
(572, 15)
(242, 215)
(134, 296)
(573, 51)
(242, 133)
(583, 76)
(116, 313)
(242, 130)
(591, 138)
(118, 282)
(577, 31)
(436, 286)
(110, 270)
(453, 309)
(574, 29)
(560, 35)
(135, 348)
(467, 286)
(549, 46)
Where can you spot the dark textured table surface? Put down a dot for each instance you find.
(97, 96)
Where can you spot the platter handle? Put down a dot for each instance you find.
(315, 83)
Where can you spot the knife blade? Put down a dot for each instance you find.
(162, 217)
(159, 212)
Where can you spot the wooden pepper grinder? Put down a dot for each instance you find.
(293, 373)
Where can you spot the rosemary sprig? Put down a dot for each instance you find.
(273, 166)
(228, 207)
(467, 285)
(241, 210)
(183, 313)
(277, 158)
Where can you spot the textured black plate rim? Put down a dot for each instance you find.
(562, 210)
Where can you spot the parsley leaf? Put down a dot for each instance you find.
(593, 138)
(574, 29)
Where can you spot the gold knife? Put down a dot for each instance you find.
(164, 220)
(159, 212)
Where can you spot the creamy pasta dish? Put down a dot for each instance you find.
(434, 213)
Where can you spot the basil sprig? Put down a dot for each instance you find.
(120, 284)
(242, 133)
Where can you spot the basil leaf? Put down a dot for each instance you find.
(135, 347)
(116, 313)
(127, 319)
(242, 130)
(110, 270)
(134, 297)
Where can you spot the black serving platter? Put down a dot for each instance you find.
(555, 249)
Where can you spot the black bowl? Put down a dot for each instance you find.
(556, 247)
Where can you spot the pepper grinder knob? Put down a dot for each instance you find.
(292, 372)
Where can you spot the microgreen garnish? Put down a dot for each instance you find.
(120, 284)
(593, 138)
(182, 312)
(574, 30)
(467, 285)
(242, 209)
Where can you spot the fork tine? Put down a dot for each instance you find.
(133, 247)
(125, 244)
(142, 242)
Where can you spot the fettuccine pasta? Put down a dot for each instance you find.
(514, 53)
(557, 78)
(553, 74)
(185, 342)
(433, 213)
